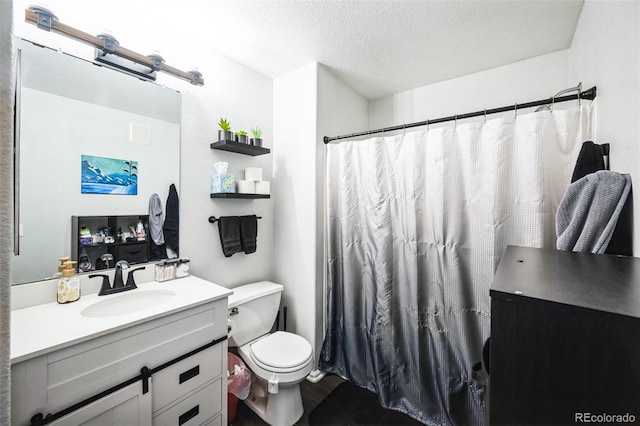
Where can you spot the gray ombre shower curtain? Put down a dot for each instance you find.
(416, 226)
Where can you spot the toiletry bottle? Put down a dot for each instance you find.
(69, 284)
(140, 234)
(84, 263)
(61, 266)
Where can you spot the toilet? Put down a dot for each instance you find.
(279, 360)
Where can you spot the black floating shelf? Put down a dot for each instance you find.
(240, 148)
(240, 196)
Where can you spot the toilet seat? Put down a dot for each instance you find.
(281, 352)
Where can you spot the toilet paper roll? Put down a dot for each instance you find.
(263, 187)
(246, 187)
(253, 173)
(230, 328)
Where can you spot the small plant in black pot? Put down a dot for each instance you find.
(225, 133)
(241, 136)
(257, 135)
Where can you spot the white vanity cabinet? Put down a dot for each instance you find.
(185, 352)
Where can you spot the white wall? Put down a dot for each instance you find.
(309, 103)
(606, 52)
(294, 121)
(537, 78)
(235, 92)
(244, 97)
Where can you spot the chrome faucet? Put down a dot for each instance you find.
(118, 282)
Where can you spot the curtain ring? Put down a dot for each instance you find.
(553, 99)
(515, 110)
(485, 116)
(579, 91)
(427, 125)
(455, 122)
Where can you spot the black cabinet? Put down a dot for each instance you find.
(565, 338)
(88, 251)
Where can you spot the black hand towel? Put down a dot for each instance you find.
(229, 227)
(249, 233)
(172, 220)
(590, 160)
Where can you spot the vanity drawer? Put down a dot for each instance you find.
(185, 376)
(194, 410)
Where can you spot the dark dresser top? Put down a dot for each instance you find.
(605, 283)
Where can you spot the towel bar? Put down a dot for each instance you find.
(213, 219)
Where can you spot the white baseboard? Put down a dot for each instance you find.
(315, 376)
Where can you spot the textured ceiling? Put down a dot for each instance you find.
(377, 47)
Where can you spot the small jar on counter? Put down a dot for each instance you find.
(182, 268)
(165, 270)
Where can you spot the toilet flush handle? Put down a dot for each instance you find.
(234, 311)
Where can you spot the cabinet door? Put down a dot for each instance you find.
(128, 406)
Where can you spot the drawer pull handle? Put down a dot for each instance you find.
(189, 374)
(189, 415)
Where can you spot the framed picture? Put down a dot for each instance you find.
(101, 175)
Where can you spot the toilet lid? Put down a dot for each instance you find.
(282, 350)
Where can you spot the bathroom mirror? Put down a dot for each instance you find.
(69, 110)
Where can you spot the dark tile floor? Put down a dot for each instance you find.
(312, 395)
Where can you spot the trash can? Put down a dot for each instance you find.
(238, 384)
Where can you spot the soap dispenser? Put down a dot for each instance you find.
(61, 266)
(69, 284)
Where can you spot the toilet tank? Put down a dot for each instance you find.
(252, 311)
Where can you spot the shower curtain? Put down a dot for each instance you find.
(416, 226)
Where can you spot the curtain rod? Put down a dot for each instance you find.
(46, 20)
(589, 94)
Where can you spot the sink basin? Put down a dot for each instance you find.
(127, 303)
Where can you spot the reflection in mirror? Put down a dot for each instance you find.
(68, 108)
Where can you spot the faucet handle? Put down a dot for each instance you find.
(106, 286)
(130, 280)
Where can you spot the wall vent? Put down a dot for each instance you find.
(140, 133)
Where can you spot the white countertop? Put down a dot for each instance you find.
(41, 329)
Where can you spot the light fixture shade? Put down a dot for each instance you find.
(45, 16)
(196, 77)
(157, 59)
(110, 42)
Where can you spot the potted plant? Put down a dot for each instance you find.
(241, 136)
(225, 133)
(257, 135)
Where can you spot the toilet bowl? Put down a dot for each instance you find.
(279, 360)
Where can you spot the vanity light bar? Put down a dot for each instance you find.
(47, 21)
